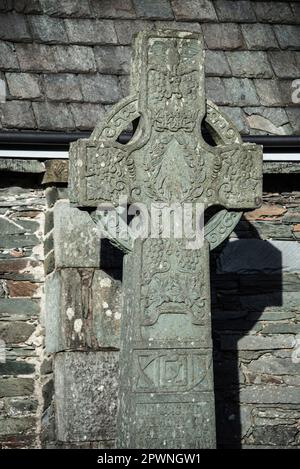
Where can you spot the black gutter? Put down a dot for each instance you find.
(63, 139)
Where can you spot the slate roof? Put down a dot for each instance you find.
(65, 62)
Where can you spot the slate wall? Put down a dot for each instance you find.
(25, 382)
(63, 63)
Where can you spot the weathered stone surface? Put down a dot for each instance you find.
(90, 31)
(100, 88)
(74, 59)
(149, 344)
(11, 426)
(83, 310)
(13, 367)
(288, 36)
(269, 92)
(224, 36)
(276, 116)
(11, 387)
(259, 36)
(66, 8)
(8, 57)
(49, 30)
(115, 9)
(87, 115)
(270, 394)
(56, 171)
(285, 64)
(23, 85)
(230, 10)
(35, 57)
(240, 92)
(216, 64)
(113, 59)
(62, 87)
(249, 64)
(153, 9)
(86, 387)
(125, 30)
(21, 289)
(237, 115)
(53, 116)
(192, 10)
(13, 27)
(15, 332)
(76, 240)
(273, 12)
(257, 342)
(294, 117)
(253, 255)
(17, 115)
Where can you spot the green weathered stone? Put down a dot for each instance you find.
(166, 377)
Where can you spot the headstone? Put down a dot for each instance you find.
(166, 395)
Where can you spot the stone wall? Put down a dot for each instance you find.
(255, 297)
(25, 382)
(63, 63)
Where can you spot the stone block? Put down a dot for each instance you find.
(256, 255)
(74, 59)
(87, 115)
(294, 118)
(17, 115)
(257, 342)
(14, 426)
(269, 92)
(49, 30)
(53, 116)
(237, 116)
(14, 332)
(239, 12)
(35, 57)
(83, 310)
(286, 64)
(62, 87)
(240, 92)
(215, 90)
(115, 9)
(66, 8)
(273, 12)
(76, 240)
(259, 36)
(8, 57)
(154, 9)
(12, 387)
(14, 367)
(223, 36)
(288, 36)
(23, 85)
(125, 29)
(192, 10)
(91, 31)
(100, 88)
(249, 64)
(113, 59)
(13, 27)
(86, 386)
(216, 64)
(269, 394)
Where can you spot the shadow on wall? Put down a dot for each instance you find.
(246, 283)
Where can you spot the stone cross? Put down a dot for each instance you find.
(166, 372)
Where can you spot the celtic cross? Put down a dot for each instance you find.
(166, 375)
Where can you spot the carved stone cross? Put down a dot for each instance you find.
(166, 374)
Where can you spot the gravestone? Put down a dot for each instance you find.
(166, 395)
